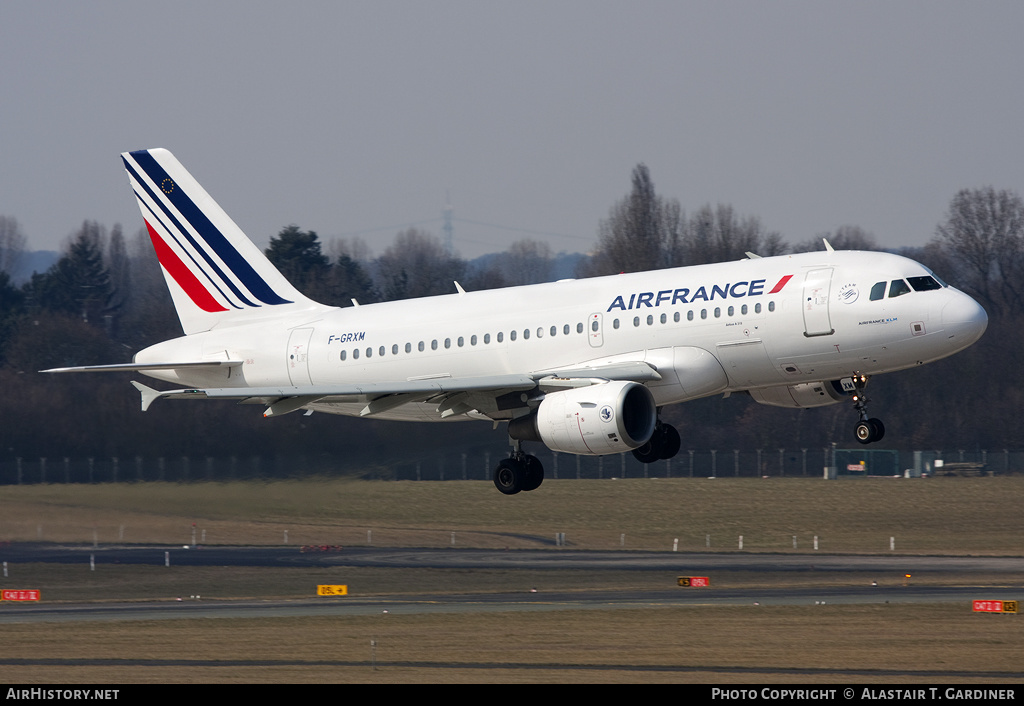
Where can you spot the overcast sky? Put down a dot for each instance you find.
(364, 117)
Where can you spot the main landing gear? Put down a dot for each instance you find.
(867, 430)
(663, 444)
(518, 472)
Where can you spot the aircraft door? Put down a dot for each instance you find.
(594, 332)
(298, 356)
(817, 286)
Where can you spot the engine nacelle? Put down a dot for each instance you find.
(606, 418)
(806, 394)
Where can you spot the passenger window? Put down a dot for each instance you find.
(898, 288)
(501, 336)
(433, 345)
(615, 323)
(355, 354)
(447, 343)
(344, 354)
(472, 340)
(408, 348)
(421, 346)
(675, 317)
(394, 349)
(565, 330)
(462, 341)
(554, 330)
(526, 334)
(877, 291)
(381, 351)
(771, 306)
(512, 335)
(579, 328)
(487, 338)
(650, 320)
(664, 318)
(689, 315)
(636, 320)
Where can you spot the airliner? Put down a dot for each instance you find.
(581, 366)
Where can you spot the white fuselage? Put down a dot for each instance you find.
(750, 324)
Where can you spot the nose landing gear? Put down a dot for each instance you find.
(867, 430)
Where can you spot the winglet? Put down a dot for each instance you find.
(828, 245)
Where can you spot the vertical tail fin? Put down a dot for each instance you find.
(216, 275)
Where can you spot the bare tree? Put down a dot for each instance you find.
(718, 235)
(633, 238)
(417, 265)
(984, 231)
(848, 237)
(525, 262)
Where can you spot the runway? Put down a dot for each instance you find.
(512, 560)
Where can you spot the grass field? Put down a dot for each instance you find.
(898, 643)
(925, 516)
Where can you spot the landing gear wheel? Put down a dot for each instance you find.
(509, 476)
(646, 453)
(663, 445)
(869, 431)
(533, 473)
(670, 442)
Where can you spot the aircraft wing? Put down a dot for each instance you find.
(454, 394)
(135, 367)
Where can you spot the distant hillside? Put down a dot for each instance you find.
(34, 261)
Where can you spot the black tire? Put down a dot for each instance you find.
(668, 441)
(879, 429)
(648, 453)
(509, 476)
(533, 473)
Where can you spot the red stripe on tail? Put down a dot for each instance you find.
(195, 290)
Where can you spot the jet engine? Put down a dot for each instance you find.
(606, 418)
(806, 394)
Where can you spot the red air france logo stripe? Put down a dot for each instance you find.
(782, 283)
(177, 269)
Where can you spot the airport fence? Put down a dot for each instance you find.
(479, 464)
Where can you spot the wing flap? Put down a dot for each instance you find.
(366, 392)
(379, 397)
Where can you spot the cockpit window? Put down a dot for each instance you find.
(878, 291)
(897, 288)
(923, 284)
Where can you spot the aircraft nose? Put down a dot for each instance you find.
(964, 319)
